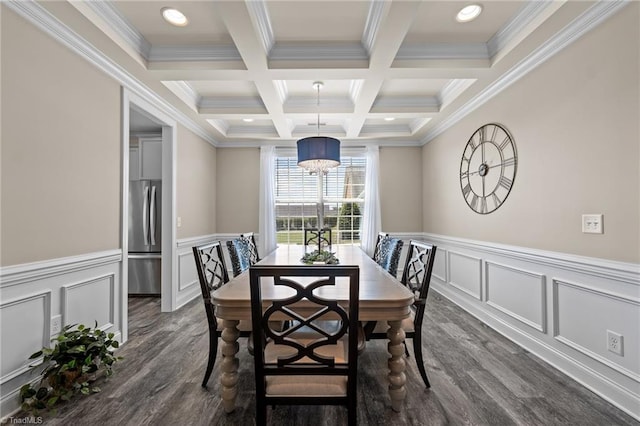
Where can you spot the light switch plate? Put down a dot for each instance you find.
(592, 224)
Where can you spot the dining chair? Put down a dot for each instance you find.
(313, 236)
(376, 250)
(417, 277)
(243, 252)
(387, 253)
(212, 274)
(305, 364)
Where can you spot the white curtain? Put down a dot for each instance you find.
(371, 222)
(267, 216)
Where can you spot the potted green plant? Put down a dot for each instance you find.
(320, 256)
(79, 355)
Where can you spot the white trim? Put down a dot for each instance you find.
(530, 11)
(42, 19)
(109, 13)
(429, 51)
(620, 271)
(593, 380)
(46, 332)
(478, 295)
(196, 241)
(431, 103)
(68, 288)
(212, 53)
(578, 27)
(26, 272)
(318, 52)
(230, 102)
(542, 326)
(375, 17)
(259, 14)
(576, 346)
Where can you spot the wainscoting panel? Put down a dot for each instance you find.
(583, 315)
(78, 289)
(557, 306)
(518, 293)
(440, 265)
(88, 302)
(465, 273)
(28, 313)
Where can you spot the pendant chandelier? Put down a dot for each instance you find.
(318, 153)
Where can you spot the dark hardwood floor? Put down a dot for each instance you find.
(478, 377)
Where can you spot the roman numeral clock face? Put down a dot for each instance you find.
(488, 168)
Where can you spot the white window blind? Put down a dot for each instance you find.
(296, 200)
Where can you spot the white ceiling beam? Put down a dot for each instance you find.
(391, 31)
(249, 42)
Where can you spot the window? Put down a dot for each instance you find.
(297, 198)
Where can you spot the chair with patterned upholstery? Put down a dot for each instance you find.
(305, 364)
(243, 253)
(417, 277)
(212, 274)
(314, 237)
(376, 250)
(388, 252)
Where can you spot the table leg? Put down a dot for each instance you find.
(397, 365)
(230, 363)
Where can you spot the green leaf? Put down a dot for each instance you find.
(95, 389)
(36, 355)
(115, 344)
(81, 327)
(110, 335)
(51, 402)
(84, 391)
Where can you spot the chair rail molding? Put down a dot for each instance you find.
(544, 301)
(55, 292)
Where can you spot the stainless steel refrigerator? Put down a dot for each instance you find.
(145, 237)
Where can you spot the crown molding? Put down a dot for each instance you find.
(391, 103)
(184, 91)
(214, 53)
(110, 14)
(378, 129)
(591, 18)
(418, 123)
(430, 51)
(44, 20)
(230, 102)
(512, 28)
(318, 52)
(373, 23)
(260, 17)
(354, 89)
(326, 102)
(282, 89)
(453, 89)
(256, 131)
(221, 126)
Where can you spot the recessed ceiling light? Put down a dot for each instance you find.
(389, 118)
(247, 120)
(174, 17)
(469, 13)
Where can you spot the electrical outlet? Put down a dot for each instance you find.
(56, 324)
(592, 224)
(615, 342)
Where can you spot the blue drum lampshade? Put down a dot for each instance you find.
(318, 153)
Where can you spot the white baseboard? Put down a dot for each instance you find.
(544, 301)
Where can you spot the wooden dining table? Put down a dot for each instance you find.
(382, 297)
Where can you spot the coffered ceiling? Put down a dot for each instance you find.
(394, 72)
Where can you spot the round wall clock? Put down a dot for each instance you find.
(488, 168)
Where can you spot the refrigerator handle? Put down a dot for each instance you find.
(153, 207)
(145, 215)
